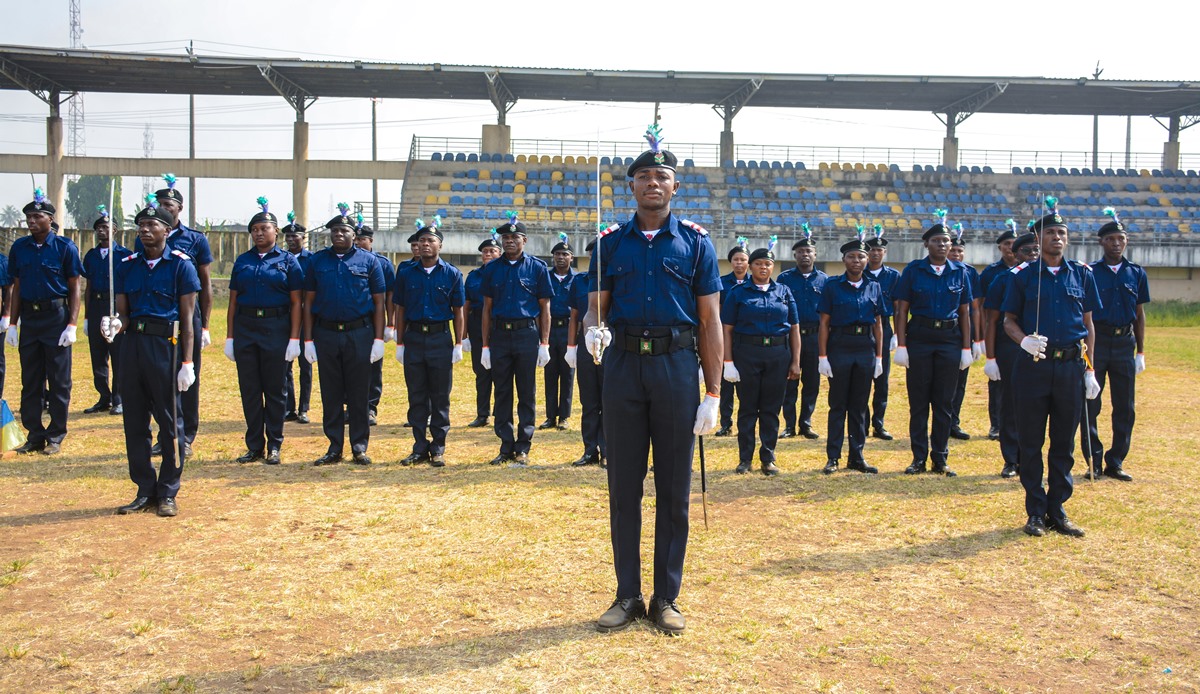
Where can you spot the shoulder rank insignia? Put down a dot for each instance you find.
(129, 257)
(610, 229)
(181, 254)
(694, 227)
(1018, 267)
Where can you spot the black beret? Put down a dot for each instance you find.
(805, 242)
(489, 242)
(511, 228)
(760, 253)
(1111, 228)
(562, 246)
(102, 219)
(591, 246)
(156, 213)
(936, 230)
(651, 159)
(431, 230)
(340, 221)
(877, 242)
(294, 228)
(856, 245)
(365, 231)
(262, 217)
(1054, 219)
(39, 204)
(1023, 240)
(957, 241)
(734, 251)
(1008, 234)
(169, 194)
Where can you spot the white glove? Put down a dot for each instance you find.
(400, 354)
(110, 327)
(292, 351)
(3, 323)
(68, 336)
(964, 362)
(466, 344)
(205, 338)
(977, 350)
(543, 355)
(572, 356)
(389, 334)
(456, 354)
(707, 415)
(10, 338)
(85, 326)
(186, 376)
(892, 344)
(485, 358)
(878, 367)
(1091, 385)
(229, 349)
(730, 372)
(594, 335)
(992, 370)
(1139, 363)
(310, 352)
(824, 367)
(1034, 344)
(901, 357)
(376, 350)
(702, 373)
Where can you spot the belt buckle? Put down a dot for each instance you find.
(766, 342)
(424, 328)
(1117, 332)
(37, 306)
(508, 326)
(141, 326)
(341, 327)
(937, 324)
(645, 346)
(259, 312)
(1058, 354)
(858, 330)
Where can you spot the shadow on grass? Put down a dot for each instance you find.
(948, 549)
(51, 517)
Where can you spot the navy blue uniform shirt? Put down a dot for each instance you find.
(994, 300)
(560, 303)
(973, 279)
(989, 275)
(265, 282)
(655, 283)
(344, 286)
(934, 296)
(389, 270)
(1120, 291)
(154, 293)
(806, 291)
(184, 238)
(429, 296)
(579, 296)
(753, 311)
(44, 270)
(474, 288)
(847, 305)
(95, 266)
(516, 287)
(304, 257)
(887, 279)
(1065, 297)
(729, 282)
(5, 279)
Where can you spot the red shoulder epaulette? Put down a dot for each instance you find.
(610, 230)
(694, 227)
(129, 257)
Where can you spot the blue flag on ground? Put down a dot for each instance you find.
(11, 434)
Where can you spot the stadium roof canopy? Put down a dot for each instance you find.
(47, 70)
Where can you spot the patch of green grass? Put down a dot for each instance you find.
(1173, 314)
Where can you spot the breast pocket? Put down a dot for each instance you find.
(620, 274)
(679, 269)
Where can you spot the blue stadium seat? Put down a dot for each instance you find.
(1016, 170)
(976, 170)
(898, 183)
(764, 164)
(743, 180)
(726, 164)
(689, 163)
(436, 156)
(485, 157)
(456, 187)
(467, 214)
(734, 193)
(988, 170)
(460, 157)
(788, 165)
(776, 165)
(456, 200)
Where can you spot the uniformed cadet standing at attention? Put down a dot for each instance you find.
(806, 283)
(364, 238)
(489, 250)
(5, 297)
(591, 378)
(931, 342)
(156, 295)
(739, 259)
(95, 269)
(887, 278)
(516, 332)
(297, 403)
(762, 351)
(344, 320)
(429, 300)
(958, 250)
(1002, 352)
(851, 353)
(1051, 370)
(1004, 243)
(1120, 345)
(559, 376)
(45, 271)
(655, 287)
(195, 245)
(263, 333)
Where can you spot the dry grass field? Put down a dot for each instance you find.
(476, 578)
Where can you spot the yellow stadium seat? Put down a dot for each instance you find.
(556, 175)
(569, 159)
(823, 166)
(545, 159)
(606, 204)
(485, 175)
(835, 207)
(827, 182)
(543, 216)
(606, 177)
(871, 168)
(856, 196)
(569, 216)
(875, 221)
(857, 167)
(839, 222)
(521, 158)
(880, 196)
(1155, 188)
(593, 160)
(556, 216)
(892, 197)
(1185, 228)
(430, 199)
(606, 191)
(1173, 214)
(556, 159)
(518, 202)
(593, 216)
(897, 209)
(521, 175)
(519, 189)
(915, 224)
(1144, 173)
(443, 200)
(889, 223)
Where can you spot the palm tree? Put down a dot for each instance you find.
(10, 217)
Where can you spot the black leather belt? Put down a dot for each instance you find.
(809, 328)
(856, 329)
(934, 323)
(559, 322)
(426, 328)
(654, 341)
(512, 323)
(156, 327)
(44, 304)
(759, 340)
(263, 311)
(98, 296)
(342, 326)
(1069, 353)
(1110, 330)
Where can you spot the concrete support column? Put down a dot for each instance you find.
(726, 145)
(55, 190)
(1171, 146)
(497, 139)
(950, 153)
(300, 171)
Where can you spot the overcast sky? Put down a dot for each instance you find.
(1030, 39)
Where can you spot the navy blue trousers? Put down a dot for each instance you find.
(483, 377)
(300, 405)
(190, 398)
(45, 367)
(1007, 353)
(344, 371)
(1051, 392)
(728, 392)
(879, 399)
(960, 394)
(852, 358)
(932, 377)
(1114, 364)
(764, 378)
(808, 387)
(560, 378)
(429, 376)
(258, 347)
(591, 390)
(149, 367)
(650, 401)
(514, 364)
(101, 352)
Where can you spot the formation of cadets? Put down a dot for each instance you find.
(657, 322)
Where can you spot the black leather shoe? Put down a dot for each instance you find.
(361, 458)
(958, 433)
(943, 470)
(861, 466)
(519, 460)
(743, 467)
(603, 463)
(587, 459)
(666, 616)
(186, 452)
(500, 459)
(830, 467)
(167, 508)
(1065, 526)
(478, 422)
(98, 407)
(883, 434)
(30, 447)
(546, 425)
(250, 456)
(787, 433)
(808, 433)
(407, 425)
(622, 613)
(156, 449)
(414, 459)
(1113, 471)
(290, 417)
(723, 431)
(328, 459)
(141, 503)
(302, 418)
(1035, 527)
(272, 458)
(1095, 470)
(769, 469)
(372, 418)
(1009, 471)
(562, 425)
(437, 460)
(993, 434)
(52, 448)
(117, 410)
(917, 467)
